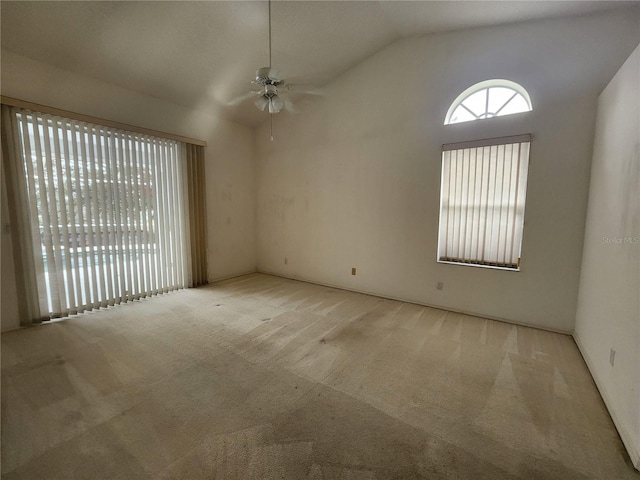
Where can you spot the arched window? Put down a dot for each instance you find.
(491, 98)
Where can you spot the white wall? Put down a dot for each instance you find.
(353, 180)
(608, 312)
(8, 305)
(229, 158)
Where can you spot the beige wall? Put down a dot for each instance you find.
(353, 180)
(8, 305)
(608, 313)
(230, 168)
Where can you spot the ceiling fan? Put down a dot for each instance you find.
(273, 92)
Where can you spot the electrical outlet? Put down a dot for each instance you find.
(440, 285)
(286, 261)
(353, 271)
(612, 357)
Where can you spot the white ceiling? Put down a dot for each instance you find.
(203, 54)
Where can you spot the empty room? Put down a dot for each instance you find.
(320, 240)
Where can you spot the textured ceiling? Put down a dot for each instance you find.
(204, 54)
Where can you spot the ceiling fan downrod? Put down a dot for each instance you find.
(269, 34)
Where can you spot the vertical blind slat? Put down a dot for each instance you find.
(131, 219)
(502, 166)
(166, 251)
(110, 217)
(456, 213)
(34, 206)
(508, 244)
(125, 208)
(174, 213)
(514, 211)
(476, 202)
(201, 217)
(45, 195)
(135, 220)
(177, 208)
(493, 154)
(144, 224)
(72, 252)
(193, 225)
(83, 256)
(63, 208)
(153, 228)
(50, 205)
(118, 193)
(170, 241)
(444, 187)
(88, 217)
(98, 215)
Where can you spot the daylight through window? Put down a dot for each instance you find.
(107, 210)
(491, 98)
(482, 202)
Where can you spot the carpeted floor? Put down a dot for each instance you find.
(265, 378)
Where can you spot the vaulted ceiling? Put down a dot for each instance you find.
(204, 54)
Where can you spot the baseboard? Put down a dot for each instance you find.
(229, 277)
(416, 302)
(627, 438)
(10, 329)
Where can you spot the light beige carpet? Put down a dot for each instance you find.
(266, 378)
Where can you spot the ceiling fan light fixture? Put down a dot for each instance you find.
(270, 91)
(275, 104)
(262, 103)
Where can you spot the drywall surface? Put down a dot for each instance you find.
(9, 316)
(230, 169)
(608, 312)
(353, 179)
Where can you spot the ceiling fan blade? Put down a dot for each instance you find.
(304, 89)
(289, 107)
(244, 97)
(275, 75)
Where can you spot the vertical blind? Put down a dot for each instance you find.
(107, 211)
(482, 202)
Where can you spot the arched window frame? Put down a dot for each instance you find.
(487, 84)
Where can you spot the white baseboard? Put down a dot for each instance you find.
(416, 302)
(627, 438)
(228, 277)
(12, 328)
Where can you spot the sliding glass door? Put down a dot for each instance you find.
(108, 212)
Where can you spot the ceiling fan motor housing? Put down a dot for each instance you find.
(267, 76)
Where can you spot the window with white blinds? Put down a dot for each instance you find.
(108, 212)
(482, 202)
